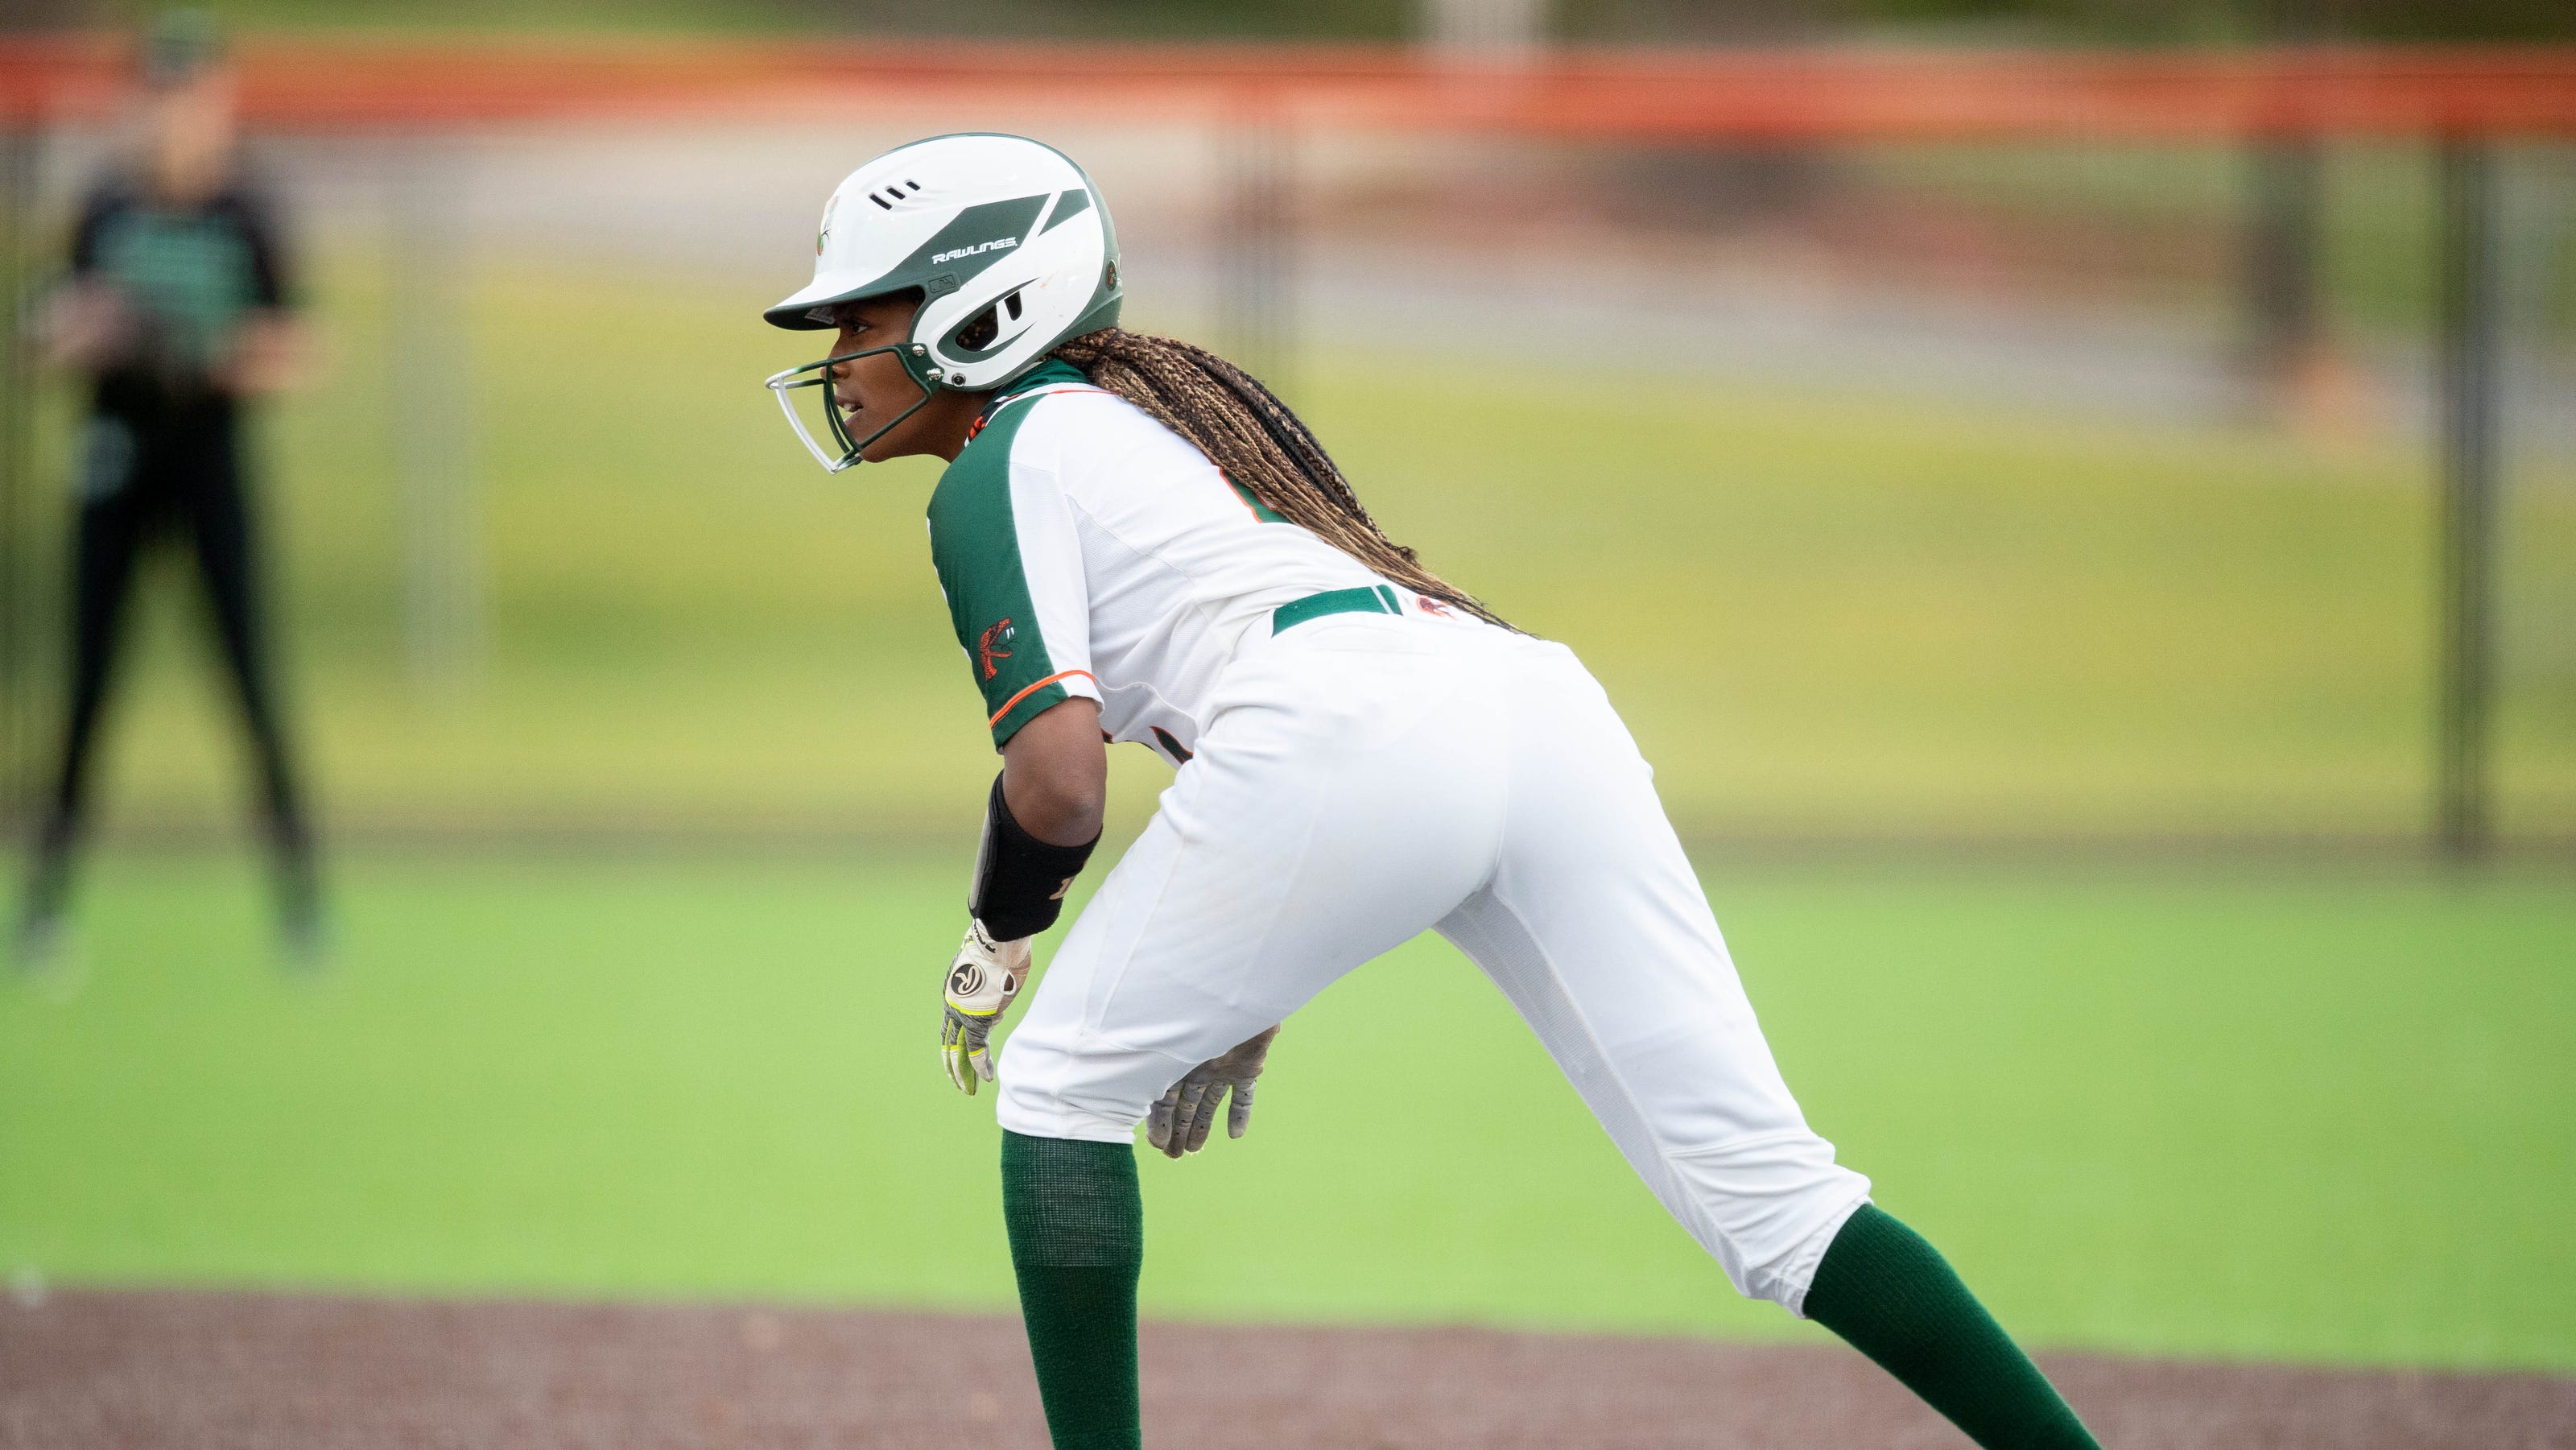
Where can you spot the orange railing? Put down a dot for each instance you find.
(330, 84)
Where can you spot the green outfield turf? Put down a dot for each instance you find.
(2314, 1116)
(1824, 614)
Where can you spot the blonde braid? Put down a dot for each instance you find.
(1255, 441)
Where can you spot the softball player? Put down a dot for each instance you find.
(178, 312)
(1139, 543)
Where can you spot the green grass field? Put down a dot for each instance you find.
(2303, 1115)
(2306, 1114)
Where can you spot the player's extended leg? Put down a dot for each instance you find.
(116, 514)
(1338, 805)
(227, 561)
(1596, 928)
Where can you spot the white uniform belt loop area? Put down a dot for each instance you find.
(1367, 599)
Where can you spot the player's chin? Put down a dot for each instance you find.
(897, 442)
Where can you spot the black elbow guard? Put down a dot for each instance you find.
(1020, 880)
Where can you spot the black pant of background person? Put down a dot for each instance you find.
(174, 470)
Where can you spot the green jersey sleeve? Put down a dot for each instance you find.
(1010, 563)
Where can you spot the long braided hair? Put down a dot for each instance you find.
(1255, 441)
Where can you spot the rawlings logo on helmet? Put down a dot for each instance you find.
(977, 250)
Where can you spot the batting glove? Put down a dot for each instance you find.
(1180, 1122)
(981, 983)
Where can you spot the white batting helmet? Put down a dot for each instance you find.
(1008, 242)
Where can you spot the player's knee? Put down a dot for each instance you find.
(1034, 1112)
(1051, 1090)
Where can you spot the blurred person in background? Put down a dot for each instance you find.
(177, 311)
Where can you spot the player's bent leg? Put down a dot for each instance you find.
(1331, 818)
(1083, 1060)
(1077, 1230)
(1320, 824)
(1894, 1298)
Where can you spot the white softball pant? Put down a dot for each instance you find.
(1364, 777)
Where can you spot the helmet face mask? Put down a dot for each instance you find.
(845, 451)
(1007, 242)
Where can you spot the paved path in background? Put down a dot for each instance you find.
(119, 1371)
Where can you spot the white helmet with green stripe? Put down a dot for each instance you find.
(1007, 241)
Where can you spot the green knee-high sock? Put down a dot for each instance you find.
(1898, 1301)
(1077, 1226)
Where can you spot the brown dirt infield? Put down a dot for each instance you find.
(218, 1371)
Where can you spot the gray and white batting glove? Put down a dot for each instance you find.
(1180, 1122)
(982, 981)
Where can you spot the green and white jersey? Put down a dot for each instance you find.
(1086, 549)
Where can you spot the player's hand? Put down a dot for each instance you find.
(981, 983)
(268, 355)
(1180, 1122)
(88, 327)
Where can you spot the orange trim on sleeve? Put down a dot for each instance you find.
(1033, 689)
